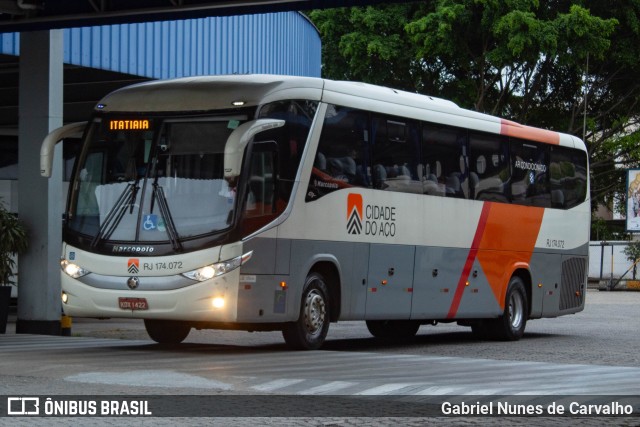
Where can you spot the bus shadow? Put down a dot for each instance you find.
(428, 344)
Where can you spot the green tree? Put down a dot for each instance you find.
(526, 60)
(369, 44)
(613, 95)
(13, 241)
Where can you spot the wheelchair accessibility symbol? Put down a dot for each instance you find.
(150, 222)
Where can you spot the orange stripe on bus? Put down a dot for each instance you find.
(508, 241)
(505, 238)
(517, 130)
(471, 257)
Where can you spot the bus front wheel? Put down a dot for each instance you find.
(310, 330)
(167, 331)
(510, 325)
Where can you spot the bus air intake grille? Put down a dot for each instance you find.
(573, 279)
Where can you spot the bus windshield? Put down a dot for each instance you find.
(149, 179)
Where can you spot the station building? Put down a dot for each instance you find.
(98, 60)
(54, 77)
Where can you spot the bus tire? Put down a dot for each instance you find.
(400, 330)
(511, 324)
(167, 331)
(310, 330)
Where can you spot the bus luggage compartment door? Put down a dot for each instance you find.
(390, 281)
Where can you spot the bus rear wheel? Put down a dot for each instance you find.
(167, 331)
(310, 330)
(393, 329)
(511, 324)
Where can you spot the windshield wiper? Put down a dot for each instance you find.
(113, 218)
(158, 194)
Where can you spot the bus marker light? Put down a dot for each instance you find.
(217, 302)
(283, 285)
(466, 283)
(384, 282)
(539, 285)
(65, 297)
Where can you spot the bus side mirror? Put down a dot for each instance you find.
(238, 140)
(50, 141)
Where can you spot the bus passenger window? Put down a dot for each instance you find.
(529, 179)
(489, 174)
(396, 148)
(568, 177)
(291, 138)
(342, 159)
(445, 170)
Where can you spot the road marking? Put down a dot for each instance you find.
(338, 373)
(331, 387)
(149, 378)
(277, 384)
(382, 389)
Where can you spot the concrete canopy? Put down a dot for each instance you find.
(101, 59)
(98, 60)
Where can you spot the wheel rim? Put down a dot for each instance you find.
(516, 310)
(314, 312)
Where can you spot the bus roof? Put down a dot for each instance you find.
(207, 93)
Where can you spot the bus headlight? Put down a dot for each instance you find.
(218, 269)
(73, 270)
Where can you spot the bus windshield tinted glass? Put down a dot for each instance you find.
(152, 180)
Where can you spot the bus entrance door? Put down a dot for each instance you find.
(390, 280)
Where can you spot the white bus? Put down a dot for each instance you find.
(260, 202)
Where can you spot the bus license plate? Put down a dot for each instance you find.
(133, 303)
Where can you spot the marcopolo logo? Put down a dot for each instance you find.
(372, 220)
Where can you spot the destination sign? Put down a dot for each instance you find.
(138, 124)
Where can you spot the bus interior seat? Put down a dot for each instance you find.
(379, 175)
(343, 168)
(557, 198)
(453, 186)
(473, 184)
(320, 162)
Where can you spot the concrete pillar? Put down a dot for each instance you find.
(39, 199)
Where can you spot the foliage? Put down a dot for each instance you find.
(632, 251)
(13, 240)
(602, 230)
(566, 65)
(368, 44)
